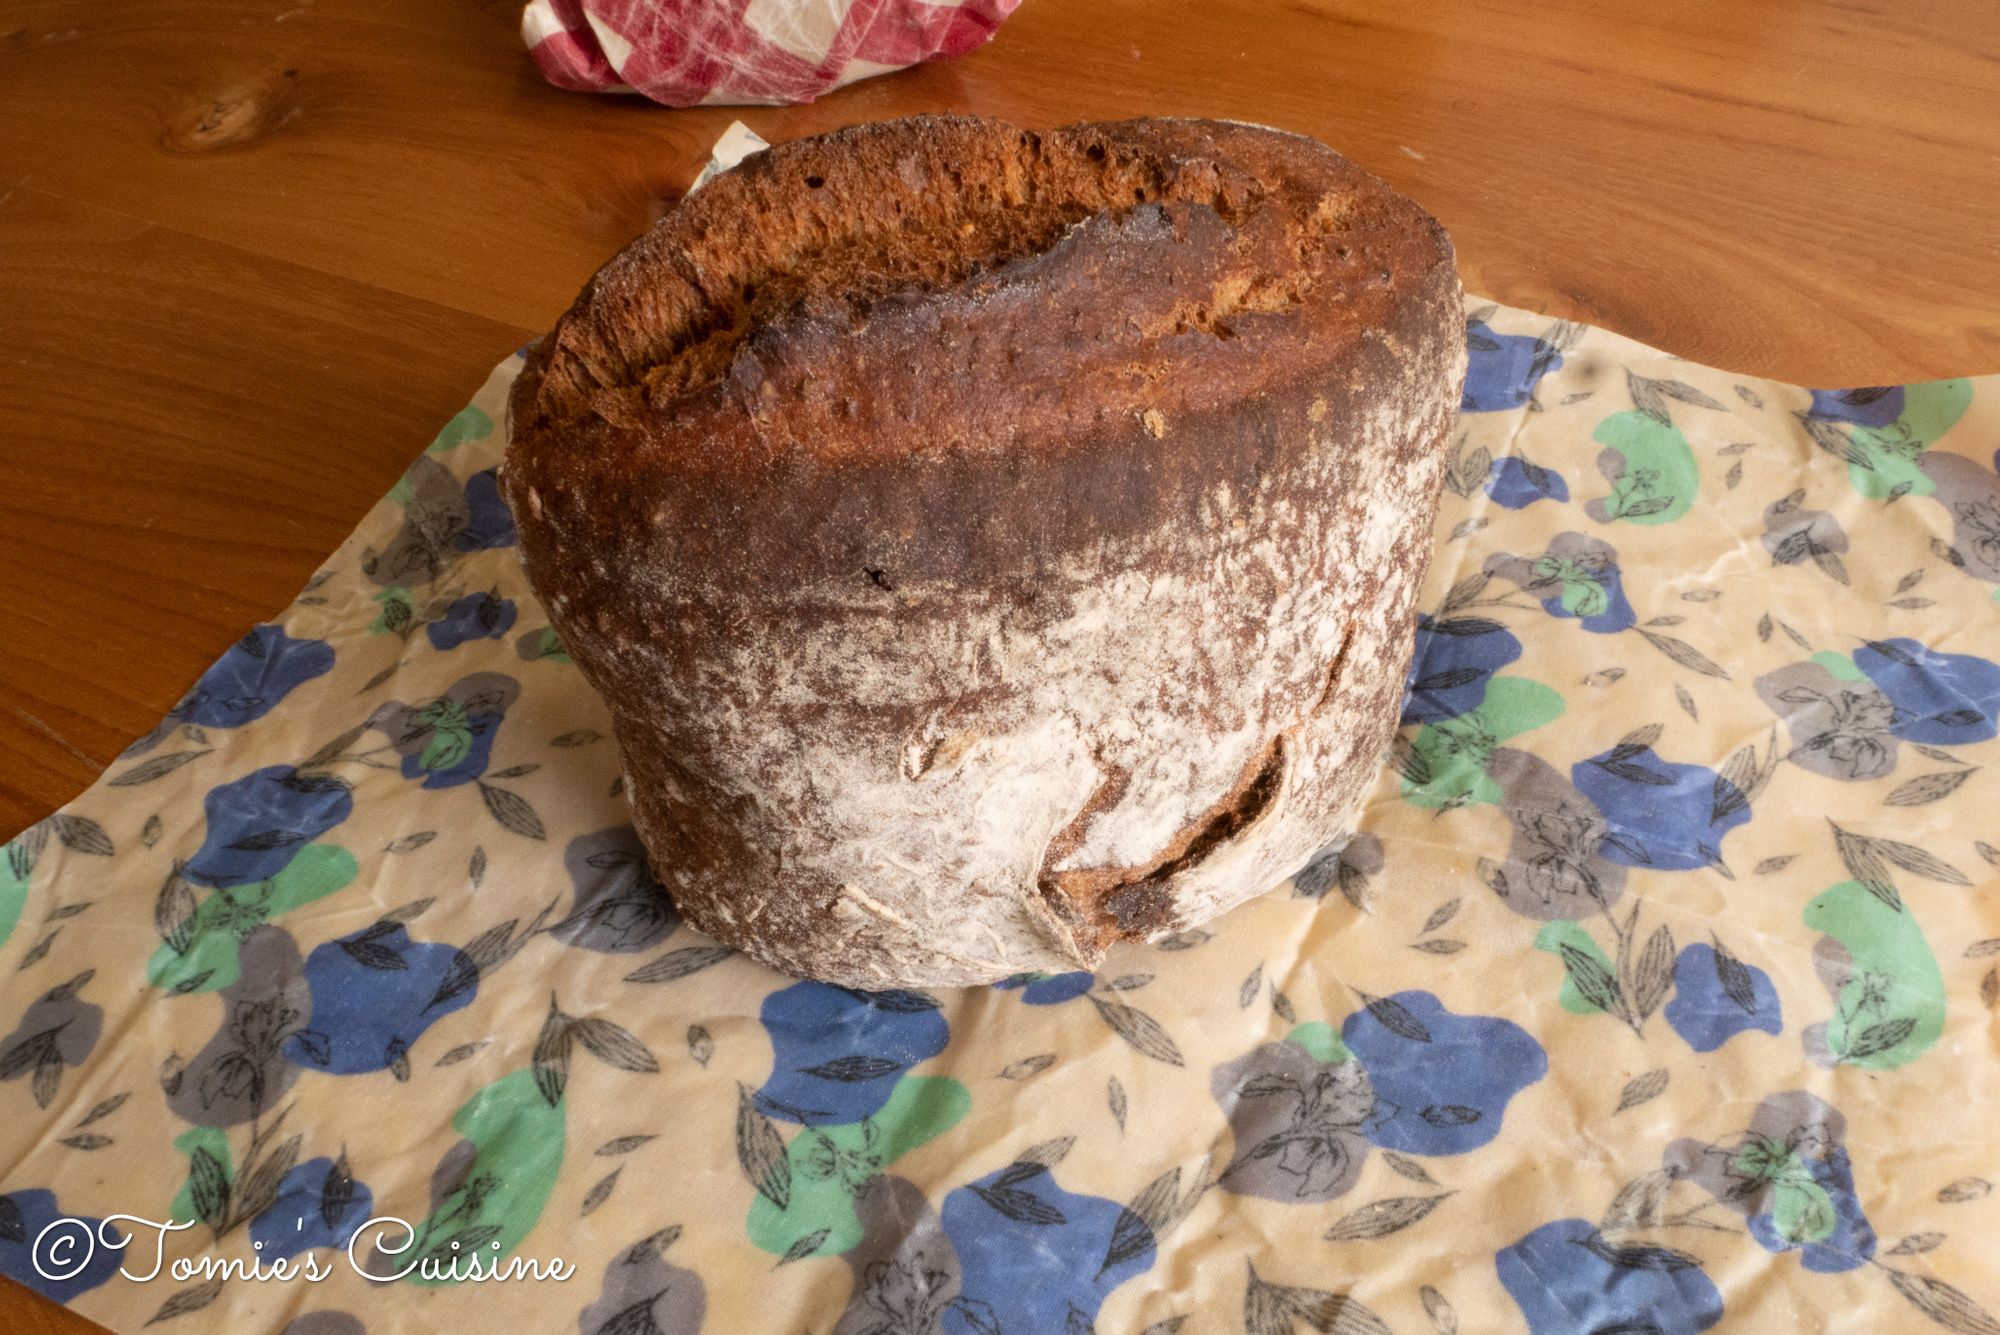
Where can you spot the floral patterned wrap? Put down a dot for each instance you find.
(1658, 994)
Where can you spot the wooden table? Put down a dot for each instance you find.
(227, 226)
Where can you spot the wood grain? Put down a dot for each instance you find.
(252, 255)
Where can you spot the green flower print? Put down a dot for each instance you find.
(1650, 467)
(1801, 1209)
(516, 1140)
(1889, 999)
(207, 959)
(830, 1163)
(1450, 755)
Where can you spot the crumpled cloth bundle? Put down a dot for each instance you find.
(1659, 992)
(706, 52)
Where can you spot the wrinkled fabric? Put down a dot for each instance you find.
(688, 53)
(1658, 992)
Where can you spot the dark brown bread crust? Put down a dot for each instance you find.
(984, 426)
(824, 480)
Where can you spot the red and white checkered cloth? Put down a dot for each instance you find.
(689, 52)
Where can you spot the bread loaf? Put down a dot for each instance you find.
(993, 545)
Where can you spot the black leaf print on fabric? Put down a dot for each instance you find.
(310, 784)
(104, 1109)
(1650, 396)
(174, 912)
(512, 811)
(600, 1192)
(40, 1052)
(460, 976)
(1449, 1114)
(1735, 978)
(760, 1151)
(1464, 594)
(1949, 1307)
(260, 1186)
(317, 1046)
(396, 1053)
(1462, 627)
(1404, 1166)
(410, 843)
(1916, 861)
(1130, 1236)
(1640, 1203)
(1449, 678)
(1881, 1037)
(623, 1145)
(1866, 865)
(551, 1059)
(1396, 1018)
(1681, 652)
(1439, 917)
(1593, 981)
(372, 956)
(1139, 1029)
(157, 768)
(614, 1045)
(37, 954)
(1019, 1205)
(1251, 987)
(191, 1299)
(1654, 974)
(265, 840)
(1381, 1218)
(1021, 1170)
(1444, 1319)
(1635, 773)
(1047, 1154)
(1926, 788)
(855, 1068)
(1027, 1066)
(208, 1188)
(1274, 1309)
(680, 963)
(1664, 1260)
(1638, 740)
(80, 834)
(805, 1246)
(900, 1001)
(1158, 1203)
(336, 1194)
(1642, 1089)
(1835, 442)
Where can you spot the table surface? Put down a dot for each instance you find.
(222, 220)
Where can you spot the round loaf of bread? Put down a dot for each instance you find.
(993, 545)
